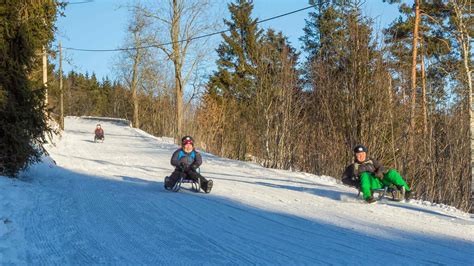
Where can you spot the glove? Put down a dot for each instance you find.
(182, 166)
(379, 175)
(194, 167)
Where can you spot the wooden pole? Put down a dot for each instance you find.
(61, 99)
(45, 75)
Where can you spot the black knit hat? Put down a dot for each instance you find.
(360, 148)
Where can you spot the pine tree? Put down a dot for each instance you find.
(441, 110)
(238, 54)
(434, 45)
(324, 28)
(25, 27)
(233, 85)
(346, 86)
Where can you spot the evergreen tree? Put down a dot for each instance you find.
(346, 85)
(324, 28)
(238, 54)
(252, 103)
(233, 85)
(435, 45)
(25, 27)
(440, 99)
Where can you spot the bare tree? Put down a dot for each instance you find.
(276, 120)
(129, 66)
(180, 22)
(463, 25)
(136, 29)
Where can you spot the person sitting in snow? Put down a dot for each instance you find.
(368, 174)
(99, 133)
(187, 160)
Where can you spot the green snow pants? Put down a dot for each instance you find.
(369, 181)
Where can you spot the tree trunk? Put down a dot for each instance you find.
(179, 101)
(61, 97)
(466, 48)
(175, 28)
(423, 87)
(390, 111)
(462, 8)
(411, 131)
(45, 76)
(136, 122)
(465, 43)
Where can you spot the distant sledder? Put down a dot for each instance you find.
(99, 133)
(187, 161)
(368, 175)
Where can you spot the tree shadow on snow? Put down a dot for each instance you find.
(326, 193)
(422, 209)
(252, 177)
(337, 195)
(141, 181)
(141, 167)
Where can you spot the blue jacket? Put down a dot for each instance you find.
(192, 159)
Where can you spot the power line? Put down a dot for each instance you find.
(180, 41)
(76, 3)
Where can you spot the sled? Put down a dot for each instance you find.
(195, 184)
(396, 194)
(97, 138)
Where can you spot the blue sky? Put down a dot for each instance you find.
(102, 24)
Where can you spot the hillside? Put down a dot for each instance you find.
(105, 203)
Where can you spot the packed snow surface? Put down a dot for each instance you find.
(104, 203)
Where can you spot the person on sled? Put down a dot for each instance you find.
(99, 133)
(187, 160)
(367, 174)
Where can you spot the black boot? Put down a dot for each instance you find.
(208, 186)
(167, 183)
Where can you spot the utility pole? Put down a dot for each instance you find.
(45, 75)
(61, 99)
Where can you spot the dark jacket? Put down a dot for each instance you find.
(189, 161)
(351, 175)
(99, 132)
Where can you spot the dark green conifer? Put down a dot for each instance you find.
(25, 27)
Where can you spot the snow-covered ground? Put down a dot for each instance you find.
(104, 203)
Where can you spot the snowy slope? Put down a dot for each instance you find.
(104, 203)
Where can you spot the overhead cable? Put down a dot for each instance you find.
(180, 41)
